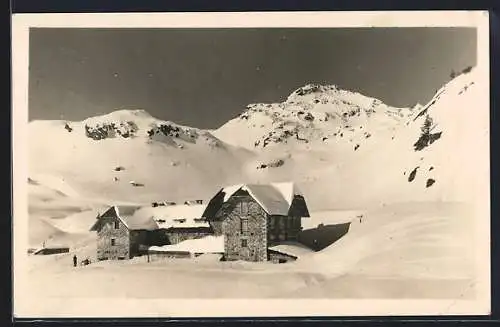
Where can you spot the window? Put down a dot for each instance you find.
(244, 243)
(244, 225)
(113, 241)
(244, 208)
(281, 222)
(117, 224)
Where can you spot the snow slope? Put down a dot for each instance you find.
(408, 250)
(369, 162)
(459, 158)
(126, 147)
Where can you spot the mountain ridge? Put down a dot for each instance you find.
(310, 113)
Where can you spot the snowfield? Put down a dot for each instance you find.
(405, 218)
(403, 251)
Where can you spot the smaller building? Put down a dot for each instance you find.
(51, 250)
(287, 251)
(193, 202)
(122, 231)
(127, 231)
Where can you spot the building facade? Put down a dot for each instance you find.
(254, 217)
(120, 236)
(244, 227)
(178, 223)
(251, 217)
(124, 232)
(174, 235)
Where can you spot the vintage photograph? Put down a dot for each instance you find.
(239, 161)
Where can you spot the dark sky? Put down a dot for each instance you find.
(204, 77)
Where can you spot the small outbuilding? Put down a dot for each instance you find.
(51, 250)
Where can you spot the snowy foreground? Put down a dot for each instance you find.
(418, 250)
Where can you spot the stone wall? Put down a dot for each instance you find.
(105, 236)
(263, 230)
(249, 245)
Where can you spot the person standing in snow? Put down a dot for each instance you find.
(74, 260)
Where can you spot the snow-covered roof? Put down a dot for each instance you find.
(132, 217)
(151, 218)
(135, 218)
(178, 216)
(39, 250)
(292, 248)
(230, 190)
(269, 198)
(274, 198)
(286, 189)
(207, 244)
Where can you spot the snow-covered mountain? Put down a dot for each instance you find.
(130, 156)
(343, 149)
(454, 152)
(310, 114)
(351, 151)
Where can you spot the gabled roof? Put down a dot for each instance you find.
(133, 217)
(269, 198)
(274, 198)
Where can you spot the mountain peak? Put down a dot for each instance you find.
(311, 113)
(123, 115)
(313, 88)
